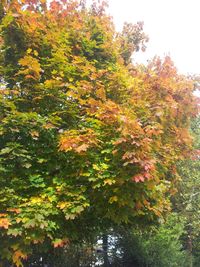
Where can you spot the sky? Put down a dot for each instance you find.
(173, 27)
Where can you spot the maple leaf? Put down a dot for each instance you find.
(4, 223)
(138, 178)
(60, 242)
(82, 148)
(18, 256)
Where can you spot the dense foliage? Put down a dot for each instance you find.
(154, 247)
(87, 140)
(187, 200)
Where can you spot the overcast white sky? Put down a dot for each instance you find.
(173, 27)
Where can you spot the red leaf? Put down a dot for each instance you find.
(138, 178)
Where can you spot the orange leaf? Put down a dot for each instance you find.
(82, 148)
(18, 256)
(4, 223)
(60, 242)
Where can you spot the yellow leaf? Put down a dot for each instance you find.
(35, 53)
(36, 200)
(31, 66)
(109, 182)
(29, 50)
(101, 93)
(113, 199)
(96, 167)
(63, 205)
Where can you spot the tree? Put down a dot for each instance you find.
(187, 200)
(87, 139)
(153, 246)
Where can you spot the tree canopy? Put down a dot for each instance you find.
(87, 139)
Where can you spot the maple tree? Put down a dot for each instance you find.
(87, 139)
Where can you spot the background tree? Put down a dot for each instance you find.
(187, 200)
(154, 246)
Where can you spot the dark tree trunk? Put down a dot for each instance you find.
(105, 251)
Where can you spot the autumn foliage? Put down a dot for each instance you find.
(87, 139)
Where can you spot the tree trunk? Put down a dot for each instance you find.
(105, 251)
(190, 247)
